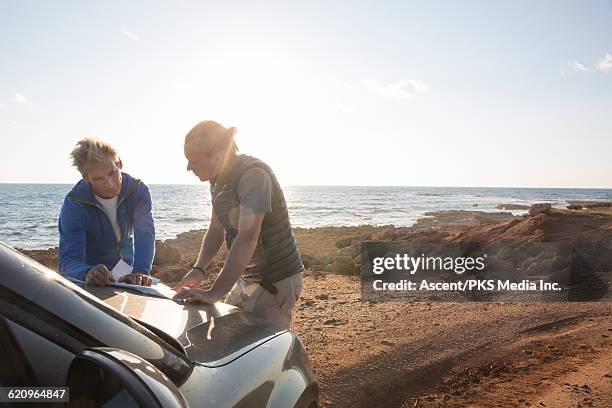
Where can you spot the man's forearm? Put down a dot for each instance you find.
(74, 269)
(238, 258)
(144, 233)
(144, 251)
(210, 246)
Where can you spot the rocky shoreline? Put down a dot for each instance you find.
(585, 225)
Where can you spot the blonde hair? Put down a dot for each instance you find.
(91, 150)
(212, 137)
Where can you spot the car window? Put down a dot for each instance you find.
(36, 349)
(28, 287)
(14, 369)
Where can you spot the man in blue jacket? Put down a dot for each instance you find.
(105, 218)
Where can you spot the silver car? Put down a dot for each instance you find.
(114, 347)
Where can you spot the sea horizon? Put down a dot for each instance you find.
(29, 211)
(332, 185)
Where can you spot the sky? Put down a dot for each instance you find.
(428, 93)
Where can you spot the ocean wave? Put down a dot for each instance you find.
(431, 194)
(188, 219)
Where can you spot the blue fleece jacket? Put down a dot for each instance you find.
(87, 238)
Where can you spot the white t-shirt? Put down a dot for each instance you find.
(110, 208)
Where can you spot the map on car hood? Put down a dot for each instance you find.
(156, 289)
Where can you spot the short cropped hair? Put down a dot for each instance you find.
(91, 150)
(212, 137)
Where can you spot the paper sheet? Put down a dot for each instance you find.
(121, 269)
(156, 289)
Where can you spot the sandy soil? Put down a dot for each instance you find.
(442, 354)
(453, 354)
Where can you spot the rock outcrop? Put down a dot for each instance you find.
(166, 254)
(542, 208)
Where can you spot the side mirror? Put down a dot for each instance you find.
(107, 377)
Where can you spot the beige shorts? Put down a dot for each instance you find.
(257, 300)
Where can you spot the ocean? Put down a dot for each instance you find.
(29, 212)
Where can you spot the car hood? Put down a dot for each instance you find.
(212, 335)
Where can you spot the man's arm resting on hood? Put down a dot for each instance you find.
(73, 242)
(241, 252)
(144, 231)
(255, 196)
(238, 258)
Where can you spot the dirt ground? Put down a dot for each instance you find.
(403, 354)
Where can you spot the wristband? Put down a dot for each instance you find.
(198, 268)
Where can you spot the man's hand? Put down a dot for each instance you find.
(193, 278)
(196, 296)
(99, 275)
(137, 278)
